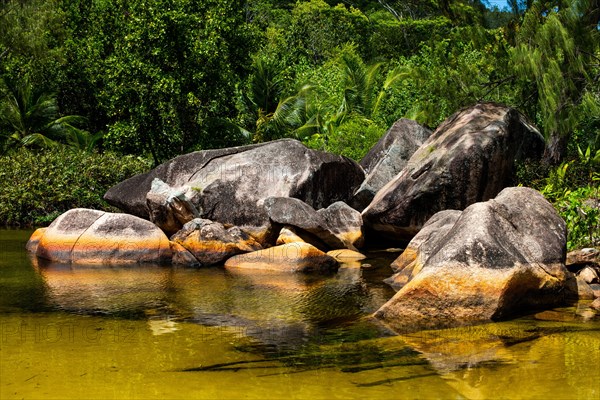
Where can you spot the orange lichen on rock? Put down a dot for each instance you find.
(344, 255)
(292, 257)
(96, 237)
(34, 240)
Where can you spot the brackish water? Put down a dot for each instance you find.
(176, 333)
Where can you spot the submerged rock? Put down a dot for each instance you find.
(346, 255)
(501, 257)
(230, 185)
(292, 257)
(469, 158)
(388, 157)
(211, 243)
(96, 237)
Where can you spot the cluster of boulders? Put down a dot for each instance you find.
(477, 251)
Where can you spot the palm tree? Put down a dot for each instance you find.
(363, 93)
(30, 118)
(304, 115)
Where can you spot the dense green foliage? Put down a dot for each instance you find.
(573, 188)
(163, 77)
(30, 118)
(157, 78)
(37, 187)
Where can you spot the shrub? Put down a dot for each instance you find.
(573, 189)
(580, 209)
(39, 186)
(353, 138)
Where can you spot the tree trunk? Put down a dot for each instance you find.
(556, 149)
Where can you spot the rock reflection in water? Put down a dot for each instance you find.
(127, 291)
(475, 360)
(279, 311)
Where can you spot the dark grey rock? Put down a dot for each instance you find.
(211, 243)
(230, 185)
(345, 223)
(388, 157)
(294, 212)
(338, 226)
(469, 158)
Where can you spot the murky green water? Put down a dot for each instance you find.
(161, 332)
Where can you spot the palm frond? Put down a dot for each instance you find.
(394, 77)
(38, 140)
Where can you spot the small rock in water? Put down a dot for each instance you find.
(579, 259)
(589, 275)
(584, 291)
(344, 255)
(393, 250)
(366, 266)
(292, 257)
(596, 289)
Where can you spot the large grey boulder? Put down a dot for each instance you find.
(211, 243)
(97, 237)
(388, 157)
(499, 258)
(230, 185)
(469, 158)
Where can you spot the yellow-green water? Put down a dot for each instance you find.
(162, 332)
